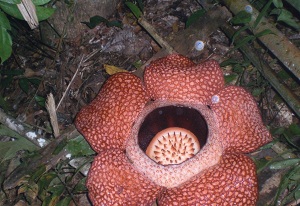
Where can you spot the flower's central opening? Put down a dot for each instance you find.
(172, 134)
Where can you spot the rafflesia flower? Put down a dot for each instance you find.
(179, 138)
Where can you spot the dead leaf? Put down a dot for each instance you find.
(111, 69)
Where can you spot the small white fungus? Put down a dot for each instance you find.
(199, 45)
(41, 141)
(31, 135)
(248, 9)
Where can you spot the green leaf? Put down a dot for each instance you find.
(140, 4)
(11, 1)
(4, 22)
(134, 9)
(261, 164)
(297, 194)
(56, 191)
(64, 202)
(79, 147)
(284, 163)
(114, 23)
(263, 13)
(263, 33)
(287, 17)
(238, 68)
(242, 17)
(6, 81)
(40, 2)
(60, 147)
(24, 85)
(30, 190)
(11, 9)
(284, 75)
(194, 17)
(295, 4)
(40, 100)
(257, 91)
(275, 12)
(284, 183)
(10, 148)
(12, 72)
(44, 13)
(269, 145)
(230, 78)
(45, 181)
(80, 187)
(277, 131)
(95, 21)
(294, 129)
(228, 62)
(244, 41)
(3, 104)
(34, 81)
(5, 44)
(238, 32)
(278, 3)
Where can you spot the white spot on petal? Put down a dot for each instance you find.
(215, 99)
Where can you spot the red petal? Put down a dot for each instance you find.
(113, 181)
(240, 123)
(107, 121)
(177, 78)
(231, 182)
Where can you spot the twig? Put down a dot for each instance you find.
(28, 11)
(149, 28)
(50, 106)
(70, 83)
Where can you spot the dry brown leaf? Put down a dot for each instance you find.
(111, 69)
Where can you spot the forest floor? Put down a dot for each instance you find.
(73, 70)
